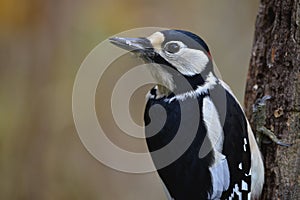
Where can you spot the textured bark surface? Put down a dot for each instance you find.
(275, 70)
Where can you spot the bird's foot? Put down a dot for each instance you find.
(271, 136)
(259, 118)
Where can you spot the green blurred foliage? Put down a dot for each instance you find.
(42, 46)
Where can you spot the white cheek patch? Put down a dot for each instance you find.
(188, 61)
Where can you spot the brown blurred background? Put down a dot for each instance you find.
(42, 46)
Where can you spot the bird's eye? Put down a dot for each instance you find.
(172, 47)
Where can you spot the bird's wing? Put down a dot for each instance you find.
(257, 167)
(236, 148)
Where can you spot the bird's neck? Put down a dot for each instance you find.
(207, 84)
(172, 81)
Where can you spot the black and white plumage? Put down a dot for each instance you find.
(231, 166)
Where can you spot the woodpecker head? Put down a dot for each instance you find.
(176, 52)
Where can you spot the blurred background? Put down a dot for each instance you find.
(42, 46)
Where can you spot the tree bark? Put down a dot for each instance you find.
(275, 70)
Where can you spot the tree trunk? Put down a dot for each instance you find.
(275, 71)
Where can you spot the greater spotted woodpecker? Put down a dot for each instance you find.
(232, 167)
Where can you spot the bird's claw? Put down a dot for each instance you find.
(259, 111)
(283, 144)
(260, 102)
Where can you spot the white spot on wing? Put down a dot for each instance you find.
(245, 143)
(240, 166)
(236, 190)
(244, 185)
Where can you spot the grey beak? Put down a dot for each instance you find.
(132, 44)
